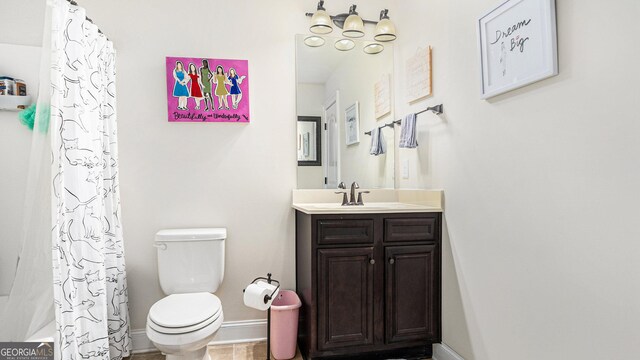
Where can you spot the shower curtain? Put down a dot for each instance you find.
(90, 286)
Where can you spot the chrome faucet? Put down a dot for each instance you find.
(352, 198)
(342, 186)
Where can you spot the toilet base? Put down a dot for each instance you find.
(200, 354)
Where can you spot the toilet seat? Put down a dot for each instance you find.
(184, 313)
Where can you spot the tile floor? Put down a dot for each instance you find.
(245, 351)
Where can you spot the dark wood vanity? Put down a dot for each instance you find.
(370, 284)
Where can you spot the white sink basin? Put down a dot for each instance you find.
(378, 201)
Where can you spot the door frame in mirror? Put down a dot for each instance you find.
(318, 121)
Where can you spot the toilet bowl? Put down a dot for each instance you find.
(190, 267)
(181, 325)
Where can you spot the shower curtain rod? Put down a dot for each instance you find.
(72, 2)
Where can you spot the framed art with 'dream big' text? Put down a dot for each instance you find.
(518, 45)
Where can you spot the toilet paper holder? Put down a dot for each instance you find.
(268, 298)
(269, 280)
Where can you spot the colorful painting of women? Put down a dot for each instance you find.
(211, 80)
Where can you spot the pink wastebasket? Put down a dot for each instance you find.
(284, 324)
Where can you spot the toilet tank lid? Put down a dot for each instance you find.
(200, 234)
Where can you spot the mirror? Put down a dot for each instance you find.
(309, 141)
(348, 93)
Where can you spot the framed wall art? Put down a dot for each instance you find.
(207, 90)
(382, 96)
(518, 46)
(352, 124)
(418, 75)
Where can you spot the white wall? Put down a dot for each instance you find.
(177, 175)
(541, 185)
(186, 175)
(309, 102)
(23, 22)
(355, 78)
(21, 62)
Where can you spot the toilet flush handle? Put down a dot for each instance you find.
(162, 246)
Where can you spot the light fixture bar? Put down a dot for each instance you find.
(338, 20)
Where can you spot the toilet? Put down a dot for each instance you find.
(190, 270)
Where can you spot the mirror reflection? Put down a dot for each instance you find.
(309, 141)
(349, 92)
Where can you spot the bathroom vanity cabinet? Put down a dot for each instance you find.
(370, 284)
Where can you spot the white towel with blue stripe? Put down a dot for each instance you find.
(408, 132)
(378, 144)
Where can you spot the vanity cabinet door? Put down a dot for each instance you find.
(412, 291)
(345, 293)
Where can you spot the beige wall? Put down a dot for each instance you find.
(186, 175)
(238, 176)
(21, 62)
(541, 185)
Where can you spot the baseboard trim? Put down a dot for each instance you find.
(234, 332)
(140, 343)
(231, 332)
(443, 352)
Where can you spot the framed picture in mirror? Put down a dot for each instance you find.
(309, 141)
(352, 124)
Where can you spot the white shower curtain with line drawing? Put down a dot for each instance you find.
(90, 287)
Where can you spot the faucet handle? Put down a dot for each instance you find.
(345, 200)
(359, 202)
(342, 185)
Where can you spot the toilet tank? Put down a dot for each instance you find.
(190, 260)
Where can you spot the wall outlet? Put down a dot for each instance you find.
(405, 168)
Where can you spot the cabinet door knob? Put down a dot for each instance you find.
(372, 262)
(392, 261)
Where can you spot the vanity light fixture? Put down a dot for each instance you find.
(345, 44)
(353, 26)
(314, 41)
(320, 21)
(385, 29)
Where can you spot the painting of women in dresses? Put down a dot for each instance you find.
(235, 91)
(219, 89)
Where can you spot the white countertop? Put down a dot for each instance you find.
(325, 201)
